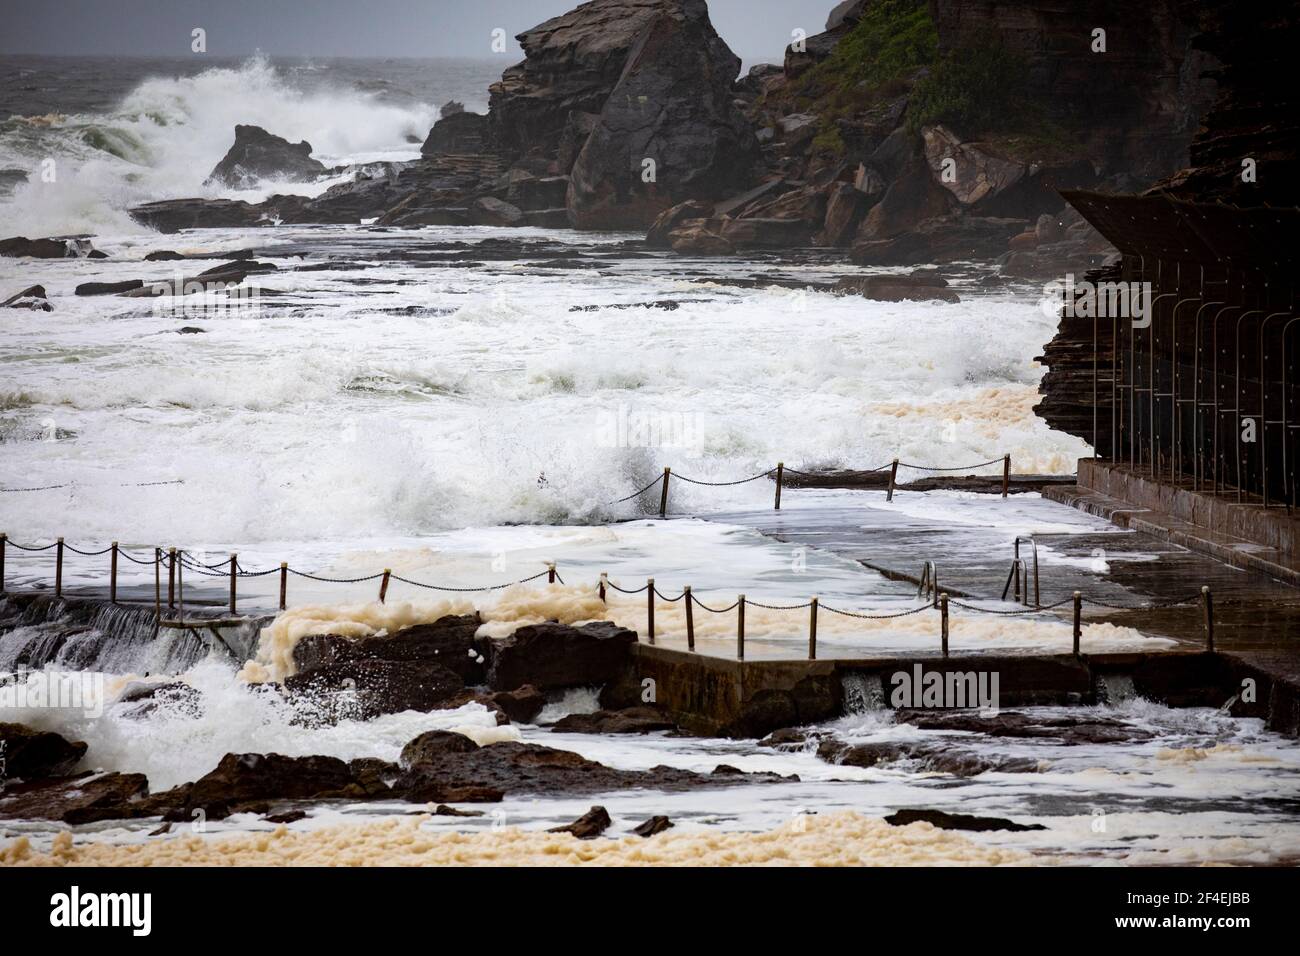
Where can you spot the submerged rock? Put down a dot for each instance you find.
(257, 155)
(655, 825)
(958, 821)
(1067, 728)
(33, 297)
(633, 720)
(19, 247)
(588, 826)
(173, 215)
(87, 798)
(935, 757)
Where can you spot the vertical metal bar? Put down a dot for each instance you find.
(58, 569)
(601, 587)
(690, 618)
(157, 583)
(4, 543)
(780, 470)
(650, 608)
(383, 585)
(112, 574)
(550, 573)
(893, 478)
(1078, 624)
(1006, 475)
(284, 583)
(180, 587)
(234, 565)
(663, 494)
(812, 631)
(171, 577)
(943, 622)
(740, 628)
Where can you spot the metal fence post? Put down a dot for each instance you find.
(663, 494)
(1207, 601)
(812, 631)
(893, 478)
(58, 569)
(284, 583)
(1078, 625)
(650, 607)
(780, 470)
(943, 622)
(112, 574)
(690, 619)
(740, 628)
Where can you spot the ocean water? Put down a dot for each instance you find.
(467, 421)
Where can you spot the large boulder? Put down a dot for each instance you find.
(364, 689)
(571, 64)
(33, 297)
(173, 215)
(18, 247)
(448, 641)
(673, 107)
(257, 155)
(456, 132)
(555, 656)
(32, 754)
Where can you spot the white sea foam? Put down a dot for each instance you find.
(164, 138)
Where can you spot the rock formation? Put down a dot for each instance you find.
(257, 155)
(668, 130)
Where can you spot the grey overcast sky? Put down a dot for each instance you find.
(755, 29)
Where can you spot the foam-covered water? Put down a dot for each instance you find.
(160, 137)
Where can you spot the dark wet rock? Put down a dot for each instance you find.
(672, 104)
(957, 821)
(108, 288)
(456, 132)
(571, 65)
(289, 816)
(894, 288)
(257, 155)
(235, 271)
(163, 828)
(489, 211)
(363, 689)
(173, 215)
(941, 239)
(555, 656)
(791, 738)
(164, 255)
(442, 810)
(246, 782)
(521, 705)
(33, 297)
(652, 827)
(727, 770)
(20, 247)
(30, 754)
(537, 193)
(190, 330)
(846, 205)
(1067, 728)
(925, 756)
(439, 763)
(588, 826)
(633, 720)
(448, 641)
(661, 229)
(84, 799)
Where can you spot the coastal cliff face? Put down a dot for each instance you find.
(1253, 117)
(1132, 108)
(909, 132)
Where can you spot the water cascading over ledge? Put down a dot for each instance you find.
(41, 631)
